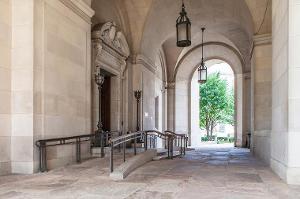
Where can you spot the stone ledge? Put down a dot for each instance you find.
(80, 8)
(127, 167)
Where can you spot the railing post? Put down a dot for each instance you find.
(124, 150)
(43, 156)
(145, 141)
(184, 145)
(40, 157)
(172, 147)
(102, 144)
(168, 141)
(119, 146)
(181, 146)
(78, 150)
(111, 162)
(134, 144)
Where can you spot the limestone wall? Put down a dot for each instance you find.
(22, 79)
(279, 142)
(285, 159)
(62, 88)
(45, 76)
(262, 101)
(293, 172)
(5, 86)
(145, 78)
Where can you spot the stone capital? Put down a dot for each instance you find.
(263, 39)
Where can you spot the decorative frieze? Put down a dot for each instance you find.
(112, 40)
(110, 48)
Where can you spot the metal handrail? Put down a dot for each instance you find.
(122, 140)
(181, 140)
(144, 135)
(62, 140)
(43, 144)
(77, 140)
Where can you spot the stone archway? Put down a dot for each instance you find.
(182, 95)
(227, 74)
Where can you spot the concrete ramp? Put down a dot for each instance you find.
(133, 163)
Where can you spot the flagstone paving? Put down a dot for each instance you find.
(203, 173)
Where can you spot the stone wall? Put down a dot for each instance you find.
(145, 78)
(262, 101)
(285, 159)
(45, 80)
(279, 142)
(293, 172)
(22, 79)
(5, 86)
(62, 86)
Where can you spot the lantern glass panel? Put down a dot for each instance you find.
(189, 31)
(181, 28)
(203, 74)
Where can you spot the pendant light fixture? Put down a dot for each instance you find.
(183, 29)
(202, 69)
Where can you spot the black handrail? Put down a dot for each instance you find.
(169, 138)
(122, 140)
(181, 140)
(145, 136)
(43, 144)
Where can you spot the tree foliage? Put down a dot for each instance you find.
(216, 103)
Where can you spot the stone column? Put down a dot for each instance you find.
(170, 106)
(5, 87)
(22, 87)
(195, 131)
(285, 147)
(50, 79)
(262, 96)
(239, 103)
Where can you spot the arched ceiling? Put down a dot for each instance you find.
(149, 25)
(214, 50)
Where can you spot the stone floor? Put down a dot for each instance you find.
(203, 173)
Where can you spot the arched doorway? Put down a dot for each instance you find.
(184, 72)
(225, 131)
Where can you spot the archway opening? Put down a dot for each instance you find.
(213, 107)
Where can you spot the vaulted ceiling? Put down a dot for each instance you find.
(149, 25)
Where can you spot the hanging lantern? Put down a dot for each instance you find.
(202, 73)
(202, 69)
(183, 28)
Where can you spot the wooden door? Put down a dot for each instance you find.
(105, 103)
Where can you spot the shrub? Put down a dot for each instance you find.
(208, 139)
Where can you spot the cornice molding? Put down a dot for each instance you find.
(80, 8)
(263, 39)
(141, 59)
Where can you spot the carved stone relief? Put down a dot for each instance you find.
(110, 52)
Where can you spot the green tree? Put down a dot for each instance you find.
(216, 103)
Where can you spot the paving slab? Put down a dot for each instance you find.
(215, 173)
